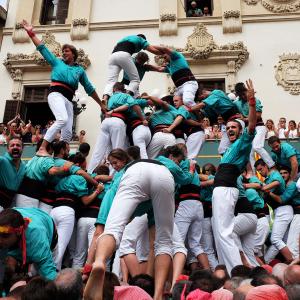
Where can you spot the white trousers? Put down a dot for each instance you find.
(223, 203)
(26, 201)
(64, 219)
(62, 110)
(207, 243)
(160, 140)
(187, 91)
(141, 136)
(294, 236)
(261, 234)
(118, 61)
(283, 216)
(194, 143)
(112, 135)
(84, 235)
(243, 233)
(45, 207)
(141, 182)
(258, 144)
(188, 218)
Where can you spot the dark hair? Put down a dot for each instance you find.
(178, 289)
(209, 167)
(38, 289)
(69, 284)
(102, 170)
(142, 36)
(172, 150)
(134, 152)
(142, 56)
(203, 280)
(240, 271)
(219, 282)
(259, 162)
(84, 148)
(294, 123)
(17, 292)
(144, 281)
(265, 279)
(58, 146)
(72, 48)
(77, 158)
(11, 217)
(119, 154)
(273, 139)
(257, 271)
(285, 168)
(119, 86)
(111, 280)
(239, 88)
(48, 148)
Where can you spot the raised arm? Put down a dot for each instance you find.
(154, 68)
(29, 29)
(252, 106)
(164, 105)
(294, 167)
(154, 49)
(175, 123)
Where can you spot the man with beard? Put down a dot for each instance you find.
(225, 193)
(12, 171)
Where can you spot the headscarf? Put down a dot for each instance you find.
(130, 293)
(267, 292)
(222, 294)
(199, 295)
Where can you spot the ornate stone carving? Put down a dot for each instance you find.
(277, 6)
(19, 34)
(168, 17)
(16, 95)
(242, 55)
(251, 2)
(200, 44)
(79, 29)
(168, 24)
(16, 74)
(287, 73)
(231, 14)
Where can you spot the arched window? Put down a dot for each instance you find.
(54, 12)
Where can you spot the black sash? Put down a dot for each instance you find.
(32, 188)
(125, 46)
(182, 76)
(243, 205)
(6, 197)
(227, 175)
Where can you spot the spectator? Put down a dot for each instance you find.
(84, 149)
(3, 136)
(271, 130)
(281, 128)
(269, 291)
(206, 12)
(292, 275)
(69, 284)
(194, 11)
(145, 282)
(207, 128)
(26, 133)
(37, 134)
(292, 131)
(216, 132)
(14, 127)
(82, 136)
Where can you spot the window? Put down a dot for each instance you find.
(198, 8)
(54, 12)
(211, 84)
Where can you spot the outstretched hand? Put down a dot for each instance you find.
(250, 89)
(27, 26)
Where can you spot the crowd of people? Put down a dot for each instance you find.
(28, 133)
(142, 219)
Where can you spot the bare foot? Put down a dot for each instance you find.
(94, 287)
(42, 152)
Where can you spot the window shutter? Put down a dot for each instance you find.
(62, 11)
(45, 11)
(36, 94)
(10, 111)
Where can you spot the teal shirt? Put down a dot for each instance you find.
(142, 69)
(239, 151)
(109, 198)
(286, 152)
(10, 177)
(73, 184)
(240, 186)
(291, 194)
(142, 103)
(206, 192)
(165, 117)
(59, 162)
(177, 62)
(37, 168)
(69, 74)
(243, 106)
(219, 102)
(39, 236)
(182, 177)
(118, 99)
(138, 42)
(276, 176)
(182, 111)
(185, 166)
